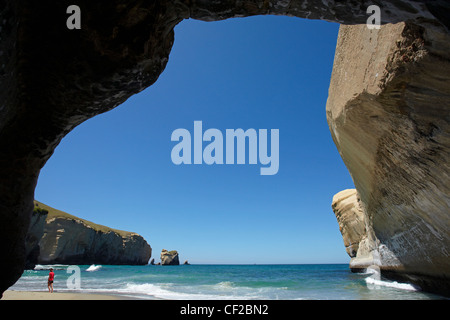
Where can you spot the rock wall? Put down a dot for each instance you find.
(389, 117)
(357, 233)
(62, 238)
(34, 236)
(52, 79)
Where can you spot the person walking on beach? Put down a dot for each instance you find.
(51, 276)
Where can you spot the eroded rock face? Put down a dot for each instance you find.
(65, 239)
(52, 79)
(351, 219)
(68, 241)
(34, 236)
(389, 117)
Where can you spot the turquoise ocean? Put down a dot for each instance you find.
(224, 282)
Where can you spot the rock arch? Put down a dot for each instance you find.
(52, 79)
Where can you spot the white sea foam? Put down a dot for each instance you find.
(373, 283)
(48, 266)
(224, 285)
(93, 268)
(164, 292)
(225, 290)
(375, 270)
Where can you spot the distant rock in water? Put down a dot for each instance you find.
(169, 257)
(152, 262)
(58, 237)
(186, 262)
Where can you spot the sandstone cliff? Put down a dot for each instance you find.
(389, 117)
(359, 243)
(350, 217)
(58, 237)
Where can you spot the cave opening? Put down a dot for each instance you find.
(257, 72)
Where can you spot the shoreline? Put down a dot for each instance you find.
(45, 295)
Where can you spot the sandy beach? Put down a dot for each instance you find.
(42, 295)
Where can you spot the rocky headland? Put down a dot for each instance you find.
(58, 237)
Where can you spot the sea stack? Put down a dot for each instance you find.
(169, 258)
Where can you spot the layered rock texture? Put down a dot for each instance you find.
(356, 233)
(389, 117)
(58, 237)
(169, 258)
(388, 106)
(351, 219)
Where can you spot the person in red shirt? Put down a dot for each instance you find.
(51, 276)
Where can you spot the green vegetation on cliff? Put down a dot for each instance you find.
(38, 210)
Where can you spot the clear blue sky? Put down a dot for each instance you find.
(257, 72)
